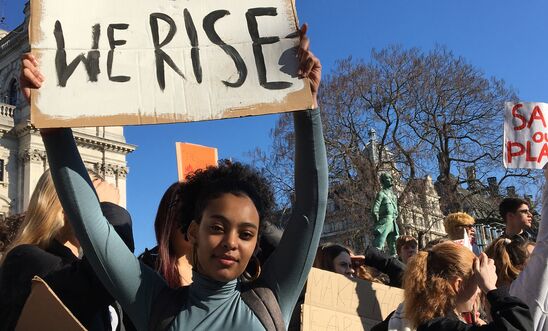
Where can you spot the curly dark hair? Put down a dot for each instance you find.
(207, 184)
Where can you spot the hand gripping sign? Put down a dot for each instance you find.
(142, 62)
(525, 135)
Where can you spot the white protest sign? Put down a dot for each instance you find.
(143, 62)
(525, 135)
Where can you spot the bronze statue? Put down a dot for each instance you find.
(385, 214)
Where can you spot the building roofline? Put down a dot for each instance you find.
(14, 39)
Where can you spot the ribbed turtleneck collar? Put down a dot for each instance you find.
(207, 289)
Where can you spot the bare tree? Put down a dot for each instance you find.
(433, 114)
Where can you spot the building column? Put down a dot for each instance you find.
(33, 163)
(121, 175)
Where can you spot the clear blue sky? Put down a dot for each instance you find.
(506, 39)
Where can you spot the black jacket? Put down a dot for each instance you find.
(72, 279)
(508, 313)
(391, 266)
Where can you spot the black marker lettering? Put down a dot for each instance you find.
(91, 62)
(161, 56)
(113, 43)
(195, 51)
(258, 41)
(209, 27)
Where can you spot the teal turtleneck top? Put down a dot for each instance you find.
(210, 305)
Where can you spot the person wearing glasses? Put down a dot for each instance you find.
(456, 223)
(518, 218)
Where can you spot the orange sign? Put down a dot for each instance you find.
(191, 157)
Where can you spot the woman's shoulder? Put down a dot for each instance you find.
(27, 250)
(29, 256)
(24, 262)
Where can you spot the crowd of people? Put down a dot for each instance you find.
(220, 265)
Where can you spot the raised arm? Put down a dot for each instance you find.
(386, 264)
(77, 285)
(531, 286)
(287, 269)
(132, 284)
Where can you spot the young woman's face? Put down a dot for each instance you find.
(226, 236)
(343, 264)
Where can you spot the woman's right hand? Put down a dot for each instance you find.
(30, 75)
(309, 65)
(485, 273)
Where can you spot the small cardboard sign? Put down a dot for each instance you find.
(335, 302)
(44, 311)
(146, 62)
(525, 135)
(191, 157)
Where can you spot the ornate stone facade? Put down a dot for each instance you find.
(22, 155)
(420, 212)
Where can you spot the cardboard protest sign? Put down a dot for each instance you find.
(525, 135)
(191, 157)
(145, 62)
(44, 311)
(335, 302)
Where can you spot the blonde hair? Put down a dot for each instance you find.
(43, 218)
(427, 281)
(453, 223)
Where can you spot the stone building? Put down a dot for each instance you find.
(420, 212)
(340, 228)
(22, 154)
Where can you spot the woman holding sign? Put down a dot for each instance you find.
(229, 212)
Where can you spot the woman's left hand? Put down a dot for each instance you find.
(485, 273)
(310, 66)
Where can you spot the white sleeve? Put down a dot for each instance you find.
(531, 286)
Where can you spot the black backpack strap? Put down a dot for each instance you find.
(263, 303)
(166, 306)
